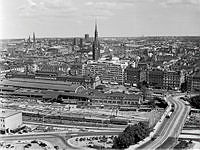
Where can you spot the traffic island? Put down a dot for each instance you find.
(93, 142)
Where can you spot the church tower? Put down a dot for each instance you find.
(95, 46)
(34, 38)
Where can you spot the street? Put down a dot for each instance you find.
(62, 137)
(172, 126)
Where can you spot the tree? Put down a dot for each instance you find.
(195, 101)
(131, 135)
(183, 87)
(160, 102)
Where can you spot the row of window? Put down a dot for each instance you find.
(116, 102)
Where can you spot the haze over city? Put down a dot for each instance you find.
(73, 18)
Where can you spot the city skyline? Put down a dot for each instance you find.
(127, 18)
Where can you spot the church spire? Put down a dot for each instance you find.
(95, 47)
(96, 32)
(34, 37)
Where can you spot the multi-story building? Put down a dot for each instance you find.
(155, 78)
(87, 37)
(10, 120)
(193, 82)
(132, 76)
(75, 41)
(143, 66)
(172, 80)
(108, 71)
(53, 67)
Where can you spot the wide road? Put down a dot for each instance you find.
(62, 136)
(171, 127)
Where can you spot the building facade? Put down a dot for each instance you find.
(10, 120)
(193, 82)
(132, 76)
(116, 99)
(172, 80)
(155, 78)
(108, 71)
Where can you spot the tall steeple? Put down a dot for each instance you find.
(95, 46)
(95, 32)
(34, 37)
(29, 39)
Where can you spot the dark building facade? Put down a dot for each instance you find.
(155, 78)
(87, 37)
(75, 41)
(132, 76)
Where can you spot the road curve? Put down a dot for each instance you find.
(172, 126)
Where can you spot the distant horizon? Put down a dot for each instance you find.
(102, 37)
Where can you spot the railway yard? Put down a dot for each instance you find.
(34, 110)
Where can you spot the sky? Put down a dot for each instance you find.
(115, 18)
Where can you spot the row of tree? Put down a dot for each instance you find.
(131, 135)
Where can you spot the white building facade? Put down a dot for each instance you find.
(10, 119)
(108, 71)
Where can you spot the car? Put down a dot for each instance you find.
(34, 141)
(26, 146)
(7, 146)
(90, 142)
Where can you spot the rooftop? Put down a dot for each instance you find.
(4, 113)
(40, 84)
